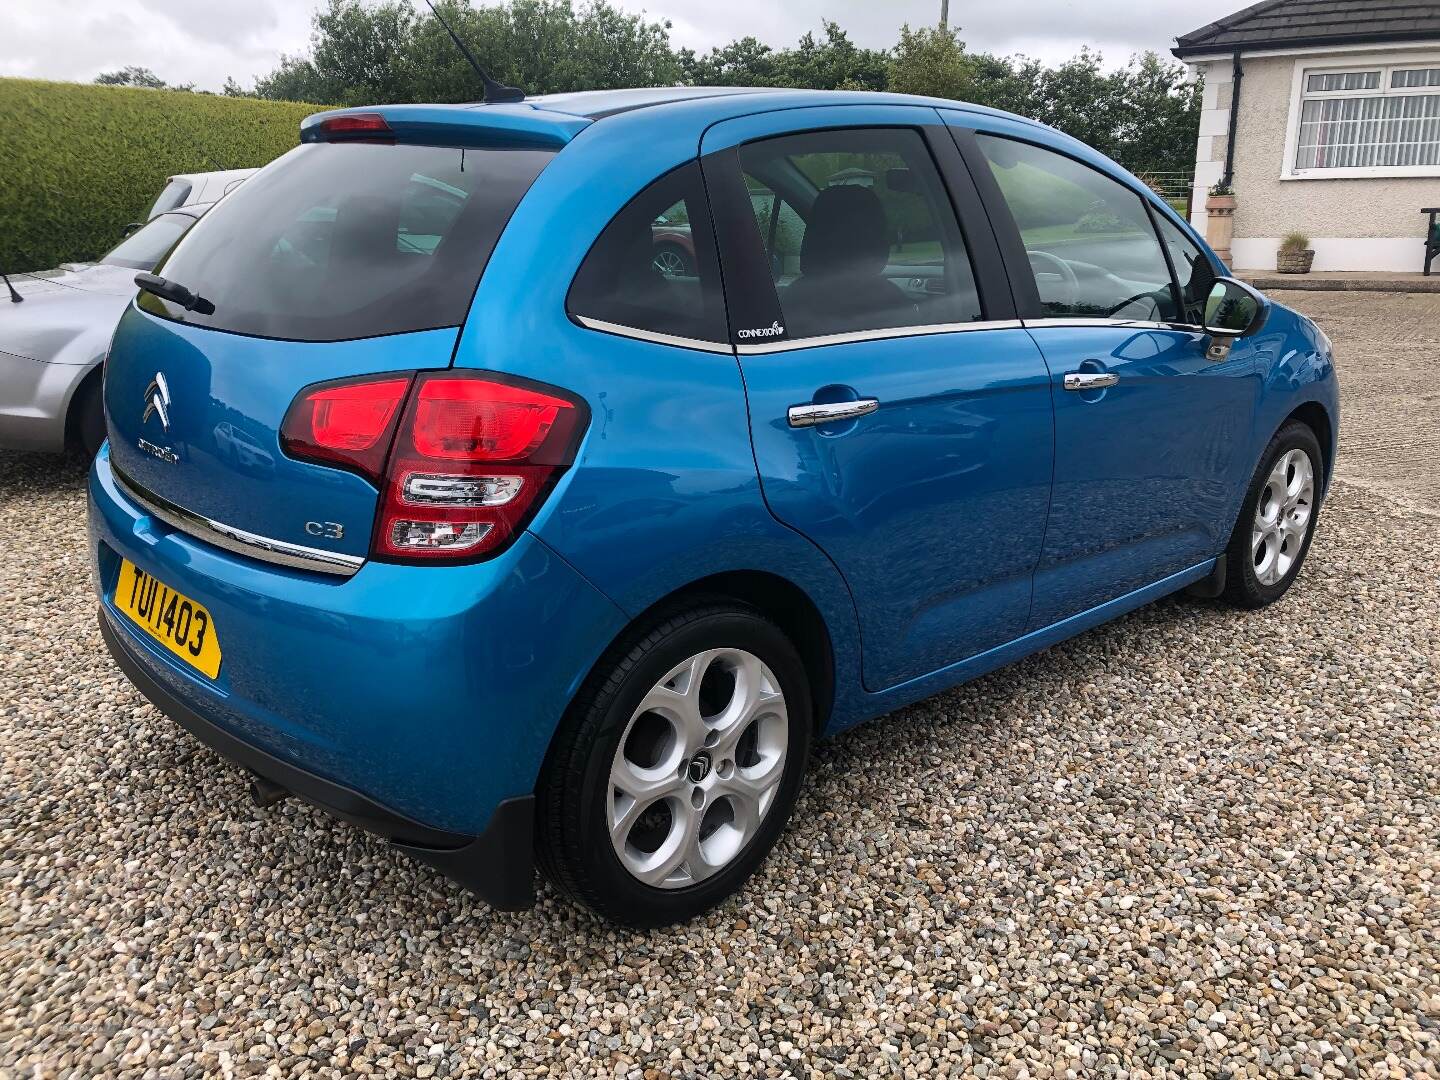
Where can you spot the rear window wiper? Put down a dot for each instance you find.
(175, 293)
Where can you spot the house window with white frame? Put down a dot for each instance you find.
(1373, 119)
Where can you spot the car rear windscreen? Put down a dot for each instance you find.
(142, 250)
(349, 240)
(174, 194)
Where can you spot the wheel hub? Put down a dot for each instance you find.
(697, 768)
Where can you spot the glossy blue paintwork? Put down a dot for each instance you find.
(956, 459)
(929, 536)
(1145, 471)
(407, 683)
(230, 394)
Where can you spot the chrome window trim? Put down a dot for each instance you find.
(876, 335)
(237, 541)
(652, 336)
(1074, 322)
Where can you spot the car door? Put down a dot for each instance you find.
(1150, 433)
(900, 415)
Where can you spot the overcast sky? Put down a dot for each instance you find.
(203, 41)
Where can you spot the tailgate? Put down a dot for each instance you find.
(212, 444)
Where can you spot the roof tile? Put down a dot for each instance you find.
(1282, 23)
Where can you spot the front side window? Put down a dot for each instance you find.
(1375, 118)
(350, 240)
(859, 232)
(1088, 238)
(654, 268)
(1193, 271)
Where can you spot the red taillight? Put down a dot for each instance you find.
(469, 420)
(364, 124)
(346, 423)
(472, 457)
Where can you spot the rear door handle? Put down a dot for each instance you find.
(1090, 380)
(830, 412)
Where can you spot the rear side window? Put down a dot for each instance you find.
(351, 240)
(175, 194)
(654, 268)
(859, 232)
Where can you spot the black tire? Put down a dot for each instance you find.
(1243, 587)
(572, 834)
(87, 413)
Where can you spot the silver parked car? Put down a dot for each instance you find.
(192, 189)
(54, 336)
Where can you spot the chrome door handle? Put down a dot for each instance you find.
(1090, 380)
(831, 412)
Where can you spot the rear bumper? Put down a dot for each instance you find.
(417, 702)
(498, 865)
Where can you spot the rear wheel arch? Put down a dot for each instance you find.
(776, 598)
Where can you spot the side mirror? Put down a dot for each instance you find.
(132, 227)
(1232, 310)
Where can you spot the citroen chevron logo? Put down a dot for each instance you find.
(157, 401)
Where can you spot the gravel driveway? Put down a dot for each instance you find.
(1194, 842)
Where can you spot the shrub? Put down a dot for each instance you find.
(81, 161)
(1295, 242)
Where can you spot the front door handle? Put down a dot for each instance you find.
(1090, 380)
(830, 412)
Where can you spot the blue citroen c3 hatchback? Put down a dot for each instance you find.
(532, 483)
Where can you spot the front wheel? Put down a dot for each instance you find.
(1277, 519)
(677, 768)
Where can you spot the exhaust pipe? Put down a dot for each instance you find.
(266, 793)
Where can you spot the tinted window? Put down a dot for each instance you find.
(348, 240)
(1192, 269)
(146, 247)
(1091, 246)
(175, 194)
(859, 232)
(654, 267)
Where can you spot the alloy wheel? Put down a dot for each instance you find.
(1282, 517)
(697, 768)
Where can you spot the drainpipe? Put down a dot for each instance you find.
(1220, 209)
(1237, 75)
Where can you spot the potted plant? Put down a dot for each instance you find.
(1296, 255)
(1220, 226)
(1222, 197)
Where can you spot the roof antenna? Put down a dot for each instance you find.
(495, 93)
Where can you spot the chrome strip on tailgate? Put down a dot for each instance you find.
(236, 540)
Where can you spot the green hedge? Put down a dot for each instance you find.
(79, 162)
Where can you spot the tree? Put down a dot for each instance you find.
(834, 63)
(294, 80)
(932, 62)
(138, 76)
(1158, 127)
(382, 51)
(388, 53)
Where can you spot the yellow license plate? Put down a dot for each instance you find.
(171, 618)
